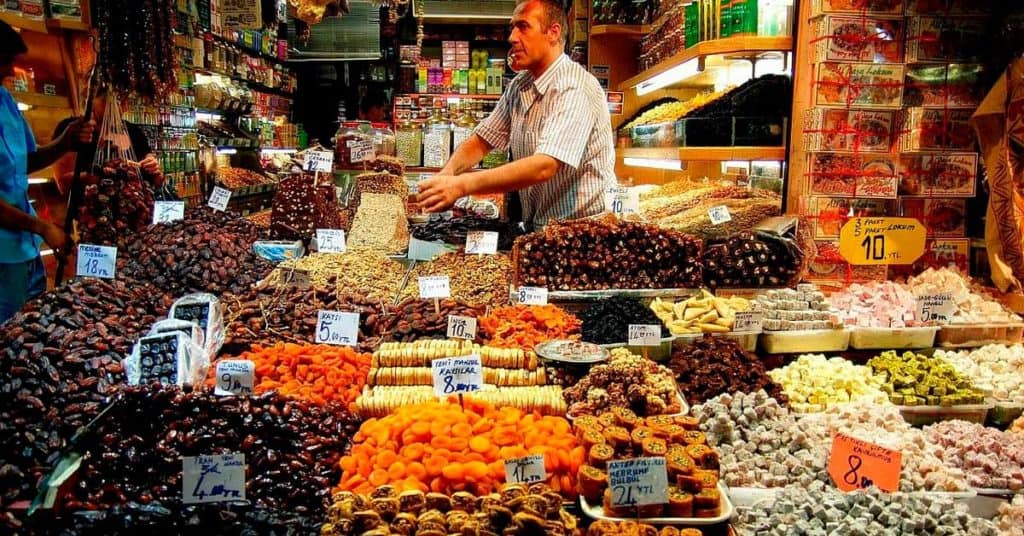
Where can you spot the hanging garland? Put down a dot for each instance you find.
(137, 45)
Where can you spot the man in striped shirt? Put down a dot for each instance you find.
(554, 118)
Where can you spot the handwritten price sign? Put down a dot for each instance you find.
(97, 261)
(747, 321)
(336, 327)
(855, 464)
(457, 375)
(644, 335)
(219, 198)
(878, 241)
(638, 481)
(235, 377)
(936, 308)
(622, 200)
(168, 211)
(525, 470)
(719, 215)
(319, 161)
(435, 286)
(461, 327)
(481, 242)
(209, 479)
(533, 295)
(330, 240)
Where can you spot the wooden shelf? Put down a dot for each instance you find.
(710, 154)
(721, 52)
(42, 25)
(39, 99)
(629, 31)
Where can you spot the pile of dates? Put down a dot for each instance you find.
(193, 256)
(454, 230)
(711, 366)
(608, 321)
(752, 260)
(60, 359)
(119, 204)
(416, 319)
(605, 253)
(266, 315)
(134, 452)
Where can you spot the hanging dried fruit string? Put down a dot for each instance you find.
(136, 45)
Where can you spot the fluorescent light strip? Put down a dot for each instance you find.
(45, 252)
(675, 74)
(274, 150)
(227, 150)
(38, 180)
(22, 107)
(656, 163)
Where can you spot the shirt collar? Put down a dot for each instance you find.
(547, 80)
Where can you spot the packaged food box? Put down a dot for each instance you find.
(942, 217)
(859, 85)
(873, 7)
(863, 338)
(853, 175)
(66, 9)
(946, 86)
(946, 39)
(938, 175)
(862, 38)
(862, 131)
(830, 271)
(831, 213)
(931, 129)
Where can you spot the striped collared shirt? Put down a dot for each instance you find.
(561, 114)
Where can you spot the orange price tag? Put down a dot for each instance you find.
(855, 464)
(876, 241)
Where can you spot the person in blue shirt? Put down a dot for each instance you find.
(21, 231)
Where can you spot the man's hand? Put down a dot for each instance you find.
(57, 239)
(440, 192)
(79, 132)
(151, 165)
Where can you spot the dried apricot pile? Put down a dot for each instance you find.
(525, 326)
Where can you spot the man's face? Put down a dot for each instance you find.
(531, 38)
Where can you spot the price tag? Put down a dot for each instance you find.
(97, 261)
(748, 321)
(855, 464)
(936, 308)
(435, 286)
(878, 241)
(533, 295)
(216, 478)
(421, 250)
(360, 150)
(638, 481)
(319, 161)
(622, 200)
(457, 375)
(461, 327)
(235, 377)
(168, 211)
(481, 242)
(719, 215)
(330, 240)
(644, 335)
(337, 327)
(219, 198)
(525, 470)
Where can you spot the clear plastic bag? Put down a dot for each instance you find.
(188, 327)
(206, 311)
(166, 358)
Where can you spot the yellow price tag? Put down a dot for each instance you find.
(882, 241)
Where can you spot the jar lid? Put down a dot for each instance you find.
(380, 125)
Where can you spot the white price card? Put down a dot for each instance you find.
(214, 478)
(533, 295)
(330, 240)
(235, 377)
(360, 150)
(938, 308)
(638, 481)
(719, 215)
(337, 327)
(435, 286)
(168, 211)
(747, 321)
(219, 198)
(457, 375)
(644, 335)
(461, 327)
(318, 161)
(622, 200)
(481, 242)
(525, 470)
(97, 261)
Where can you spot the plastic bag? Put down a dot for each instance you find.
(166, 358)
(206, 311)
(189, 328)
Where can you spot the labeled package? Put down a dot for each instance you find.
(946, 39)
(942, 217)
(938, 175)
(931, 129)
(948, 7)
(831, 213)
(206, 311)
(861, 131)
(859, 85)
(167, 359)
(866, 38)
(857, 7)
(853, 175)
(956, 85)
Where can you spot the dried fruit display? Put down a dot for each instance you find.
(526, 326)
(369, 271)
(118, 206)
(136, 45)
(678, 196)
(625, 381)
(454, 230)
(316, 373)
(386, 399)
(752, 260)
(744, 214)
(607, 321)
(234, 177)
(134, 518)
(606, 253)
(604, 527)
(415, 319)
(442, 447)
(514, 510)
(422, 353)
(478, 279)
(711, 366)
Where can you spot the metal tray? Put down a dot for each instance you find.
(597, 512)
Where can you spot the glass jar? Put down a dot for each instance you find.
(437, 141)
(409, 143)
(349, 145)
(462, 127)
(383, 140)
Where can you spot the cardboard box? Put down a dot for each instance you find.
(831, 213)
(873, 7)
(859, 85)
(863, 131)
(853, 175)
(944, 218)
(865, 38)
(938, 175)
(830, 271)
(932, 129)
(954, 85)
(946, 39)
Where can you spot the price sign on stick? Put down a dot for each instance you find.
(319, 161)
(622, 200)
(481, 242)
(330, 240)
(638, 481)
(719, 215)
(855, 464)
(747, 321)
(235, 377)
(219, 198)
(936, 308)
(435, 286)
(97, 261)
(209, 479)
(456, 375)
(525, 470)
(337, 327)
(461, 327)
(878, 241)
(644, 335)
(168, 211)
(533, 295)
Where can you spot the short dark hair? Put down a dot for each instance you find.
(11, 43)
(554, 13)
